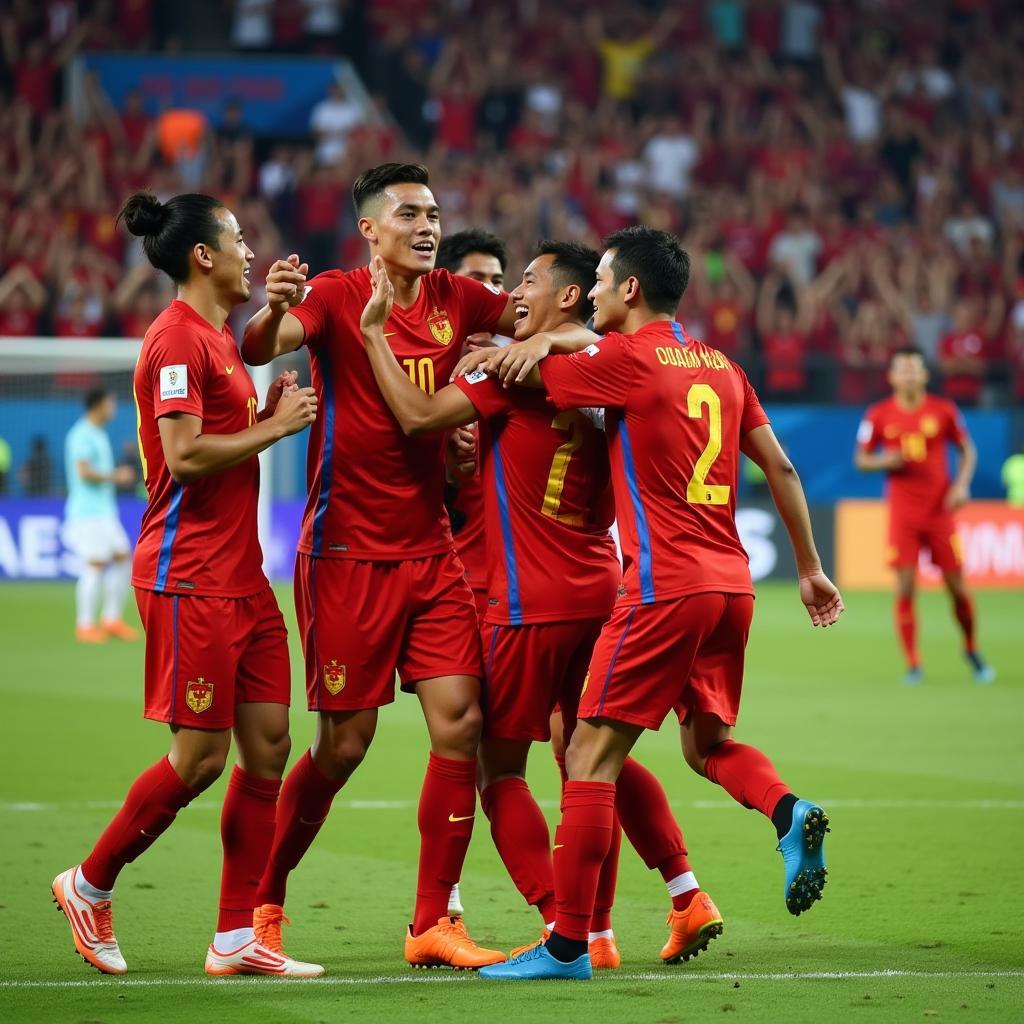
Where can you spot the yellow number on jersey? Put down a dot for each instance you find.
(252, 412)
(914, 447)
(421, 372)
(138, 432)
(571, 421)
(697, 491)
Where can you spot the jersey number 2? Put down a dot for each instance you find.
(698, 491)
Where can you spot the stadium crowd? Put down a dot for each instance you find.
(848, 176)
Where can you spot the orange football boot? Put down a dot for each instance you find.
(120, 629)
(691, 929)
(448, 944)
(604, 954)
(90, 635)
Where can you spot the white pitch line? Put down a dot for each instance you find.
(700, 805)
(466, 977)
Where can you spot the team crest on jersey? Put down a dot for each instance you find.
(929, 426)
(334, 677)
(440, 326)
(199, 695)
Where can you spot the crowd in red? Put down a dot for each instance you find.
(848, 175)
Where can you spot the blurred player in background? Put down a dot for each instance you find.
(378, 586)
(678, 415)
(482, 256)
(552, 574)
(906, 437)
(216, 646)
(92, 526)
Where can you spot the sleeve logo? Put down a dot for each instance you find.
(173, 382)
(864, 432)
(491, 287)
(592, 350)
(476, 376)
(306, 291)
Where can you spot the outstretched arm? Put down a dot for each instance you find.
(819, 595)
(416, 411)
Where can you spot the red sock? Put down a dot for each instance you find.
(648, 821)
(305, 802)
(151, 805)
(246, 832)
(746, 775)
(520, 833)
(447, 805)
(581, 843)
(963, 609)
(604, 898)
(906, 627)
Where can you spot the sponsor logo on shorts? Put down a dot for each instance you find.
(334, 677)
(199, 695)
(173, 382)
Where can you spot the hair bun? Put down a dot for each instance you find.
(143, 214)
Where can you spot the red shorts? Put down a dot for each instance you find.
(204, 655)
(360, 621)
(685, 654)
(480, 600)
(908, 536)
(531, 670)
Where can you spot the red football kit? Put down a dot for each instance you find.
(677, 411)
(552, 569)
(214, 634)
(918, 517)
(375, 529)
(469, 540)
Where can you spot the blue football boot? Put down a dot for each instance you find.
(982, 671)
(538, 964)
(914, 676)
(804, 857)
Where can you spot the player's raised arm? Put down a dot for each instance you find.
(273, 331)
(191, 454)
(822, 599)
(416, 412)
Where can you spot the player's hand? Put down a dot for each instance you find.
(472, 361)
(512, 365)
(462, 450)
(286, 284)
(822, 600)
(957, 496)
(382, 298)
(481, 341)
(891, 460)
(282, 383)
(295, 410)
(124, 476)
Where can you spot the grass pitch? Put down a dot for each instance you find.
(923, 916)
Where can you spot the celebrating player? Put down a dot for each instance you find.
(92, 526)
(476, 254)
(548, 510)
(678, 415)
(377, 584)
(216, 647)
(912, 429)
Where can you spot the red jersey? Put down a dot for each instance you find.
(918, 489)
(677, 412)
(199, 538)
(374, 493)
(469, 541)
(547, 503)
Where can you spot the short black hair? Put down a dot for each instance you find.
(170, 230)
(94, 396)
(455, 248)
(574, 263)
(372, 183)
(908, 350)
(656, 259)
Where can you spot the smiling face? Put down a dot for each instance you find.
(231, 261)
(481, 266)
(540, 303)
(403, 227)
(610, 307)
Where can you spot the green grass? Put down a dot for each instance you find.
(925, 788)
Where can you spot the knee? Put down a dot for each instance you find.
(344, 754)
(694, 758)
(460, 733)
(203, 770)
(277, 752)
